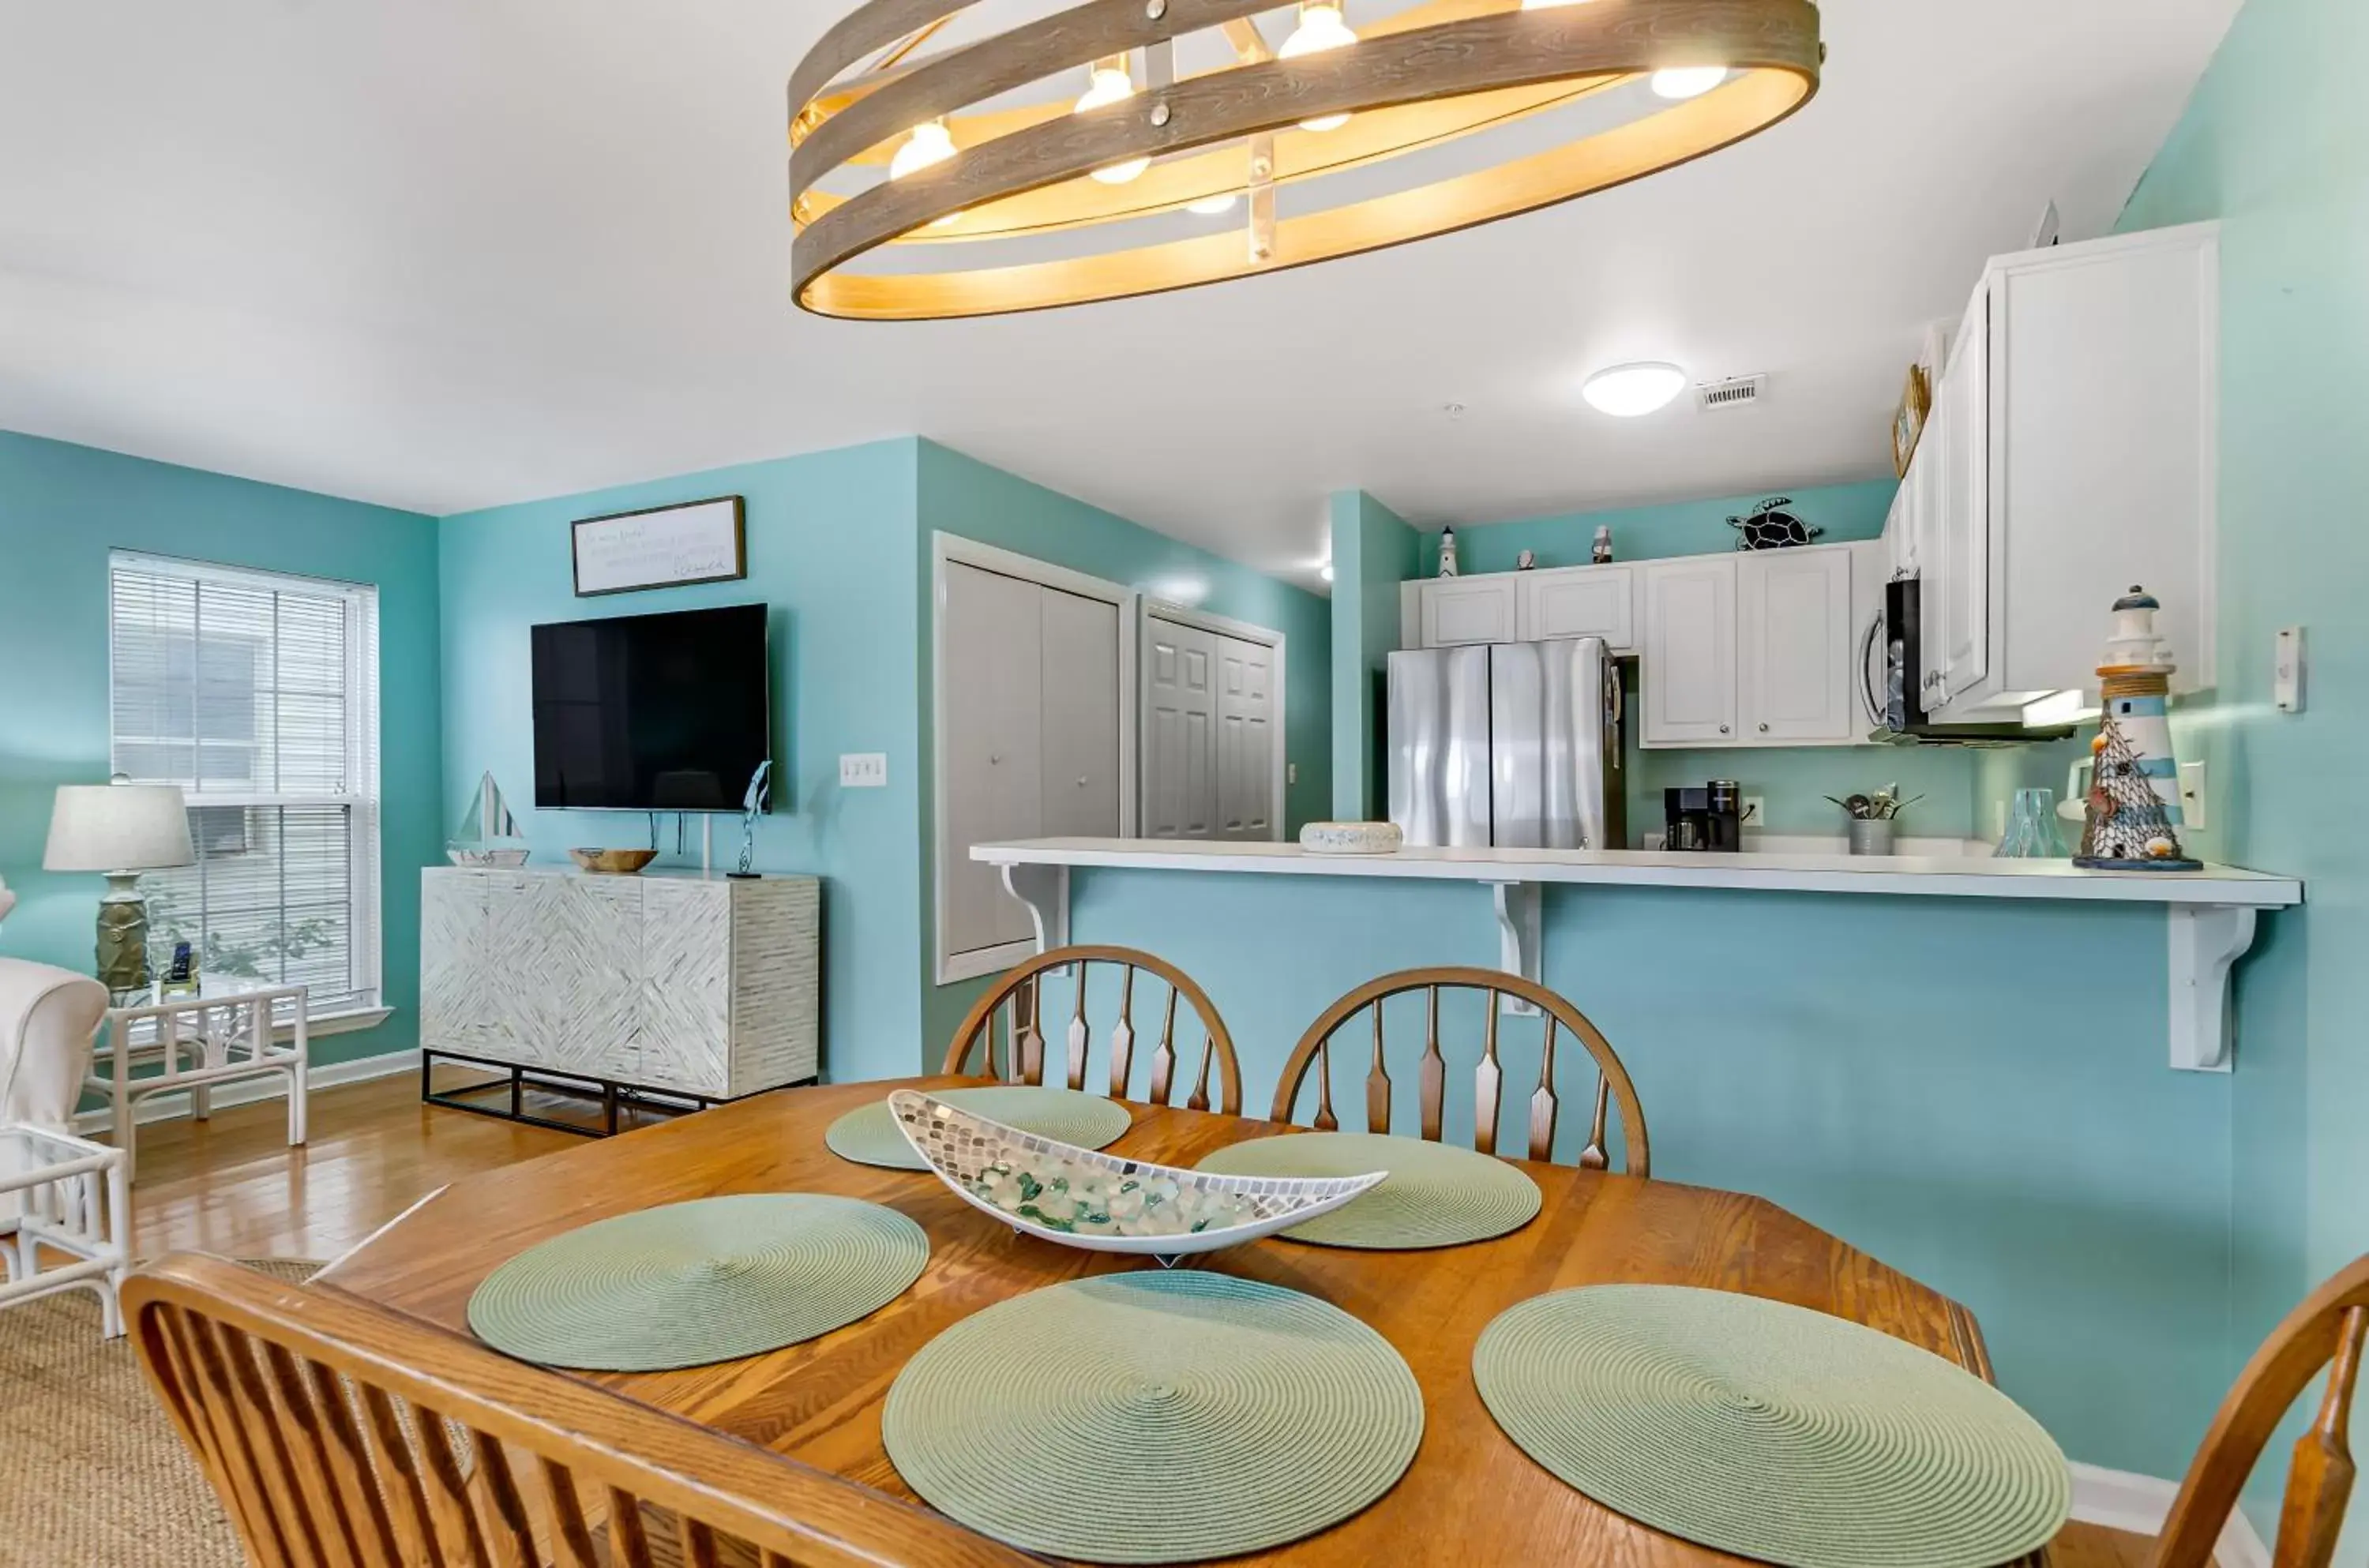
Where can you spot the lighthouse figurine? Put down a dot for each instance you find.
(2133, 817)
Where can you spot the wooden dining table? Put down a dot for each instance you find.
(1471, 1498)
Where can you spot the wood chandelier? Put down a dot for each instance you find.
(1146, 143)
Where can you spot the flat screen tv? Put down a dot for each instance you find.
(651, 713)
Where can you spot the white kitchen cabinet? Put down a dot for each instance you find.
(1577, 602)
(1796, 650)
(1469, 610)
(1689, 678)
(2078, 423)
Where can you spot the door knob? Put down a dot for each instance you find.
(993, 758)
(1081, 780)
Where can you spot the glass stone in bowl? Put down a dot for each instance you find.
(1106, 1203)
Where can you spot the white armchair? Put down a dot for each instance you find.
(48, 1017)
(57, 1192)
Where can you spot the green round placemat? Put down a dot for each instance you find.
(686, 1283)
(1769, 1430)
(869, 1135)
(1438, 1195)
(1153, 1418)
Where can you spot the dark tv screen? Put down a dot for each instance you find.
(651, 713)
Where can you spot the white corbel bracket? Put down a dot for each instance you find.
(1518, 942)
(1044, 891)
(2207, 940)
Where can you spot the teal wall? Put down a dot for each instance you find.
(1373, 552)
(962, 495)
(1946, 1083)
(1679, 528)
(2271, 144)
(832, 547)
(62, 510)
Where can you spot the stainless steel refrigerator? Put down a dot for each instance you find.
(1518, 744)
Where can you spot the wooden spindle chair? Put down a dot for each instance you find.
(2331, 1327)
(1315, 1050)
(341, 1436)
(1019, 1056)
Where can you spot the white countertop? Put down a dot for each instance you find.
(1945, 876)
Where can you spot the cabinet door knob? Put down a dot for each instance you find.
(1764, 729)
(1723, 729)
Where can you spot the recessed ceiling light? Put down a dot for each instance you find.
(1627, 391)
(1689, 81)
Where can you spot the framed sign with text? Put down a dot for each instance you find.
(669, 547)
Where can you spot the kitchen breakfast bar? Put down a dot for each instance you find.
(1955, 1063)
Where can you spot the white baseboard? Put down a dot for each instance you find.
(263, 1086)
(2139, 1504)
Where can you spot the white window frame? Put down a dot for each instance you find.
(953, 548)
(363, 810)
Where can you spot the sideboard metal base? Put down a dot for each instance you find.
(610, 1094)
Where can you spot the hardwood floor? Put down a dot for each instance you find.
(231, 1186)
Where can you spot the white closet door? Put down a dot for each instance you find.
(1180, 718)
(993, 632)
(1245, 739)
(1082, 742)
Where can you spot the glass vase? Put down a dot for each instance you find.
(2032, 829)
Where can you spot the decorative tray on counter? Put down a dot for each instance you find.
(1106, 1203)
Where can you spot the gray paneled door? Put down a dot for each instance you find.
(1209, 733)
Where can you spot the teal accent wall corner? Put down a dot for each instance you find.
(962, 495)
(62, 507)
(1374, 551)
(2272, 146)
(832, 548)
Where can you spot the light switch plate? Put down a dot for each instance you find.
(864, 770)
(2287, 680)
(2192, 796)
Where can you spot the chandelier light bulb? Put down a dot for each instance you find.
(1320, 28)
(930, 142)
(1628, 391)
(1689, 81)
(1214, 206)
(1548, 4)
(1109, 84)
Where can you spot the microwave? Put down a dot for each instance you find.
(1892, 671)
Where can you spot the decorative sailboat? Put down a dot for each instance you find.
(490, 835)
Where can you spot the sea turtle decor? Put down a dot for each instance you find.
(1770, 526)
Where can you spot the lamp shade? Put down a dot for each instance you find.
(118, 828)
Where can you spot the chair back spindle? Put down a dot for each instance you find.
(1019, 996)
(2330, 1329)
(339, 1435)
(1314, 1055)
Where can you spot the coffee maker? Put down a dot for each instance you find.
(1707, 818)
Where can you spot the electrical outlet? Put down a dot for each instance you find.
(1291, 773)
(1998, 818)
(864, 770)
(2286, 680)
(2192, 796)
(1755, 814)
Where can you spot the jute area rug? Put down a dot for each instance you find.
(95, 1476)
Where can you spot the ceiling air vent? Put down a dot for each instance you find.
(1737, 392)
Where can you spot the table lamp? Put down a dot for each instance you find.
(120, 830)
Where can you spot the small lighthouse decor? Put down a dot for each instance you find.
(2133, 806)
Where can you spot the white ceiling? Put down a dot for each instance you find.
(444, 254)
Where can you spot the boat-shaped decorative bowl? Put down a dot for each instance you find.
(1106, 1203)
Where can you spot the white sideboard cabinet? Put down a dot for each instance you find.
(706, 987)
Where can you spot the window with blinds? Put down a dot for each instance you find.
(258, 694)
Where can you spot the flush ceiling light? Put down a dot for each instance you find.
(1628, 391)
(985, 143)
